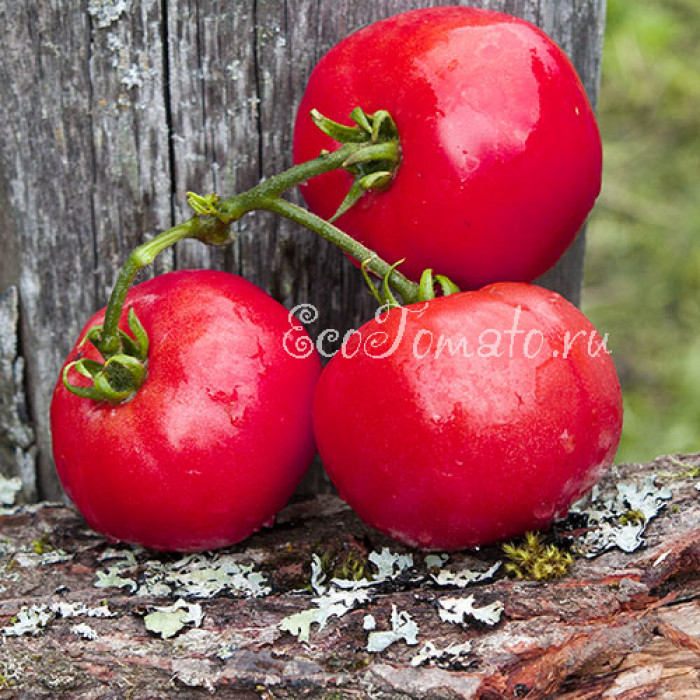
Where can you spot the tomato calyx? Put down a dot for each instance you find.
(427, 285)
(424, 291)
(373, 167)
(121, 374)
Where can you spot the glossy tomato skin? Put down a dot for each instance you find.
(216, 440)
(501, 154)
(439, 441)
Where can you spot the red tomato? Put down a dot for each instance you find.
(216, 440)
(501, 155)
(470, 418)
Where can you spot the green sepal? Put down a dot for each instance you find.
(107, 392)
(121, 375)
(140, 335)
(383, 126)
(372, 181)
(368, 280)
(390, 301)
(125, 369)
(338, 132)
(359, 116)
(128, 344)
(84, 392)
(385, 298)
(447, 285)
(204, 205)
(426, 285)
(88, 368)
(93, 336)
(376, 181)
(374, 163)
(386, 150)
(351, 198)
(120, 378)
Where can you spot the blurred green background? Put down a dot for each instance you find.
(642, 279)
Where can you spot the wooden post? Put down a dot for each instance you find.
(111, 111)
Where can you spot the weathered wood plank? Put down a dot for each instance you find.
(213, 110)
(48, 171)
(619, 625)
(17, 449)
(131, 180)
(111, 111)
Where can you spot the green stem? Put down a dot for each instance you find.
(109, 343)
(233, 208)
(409, 291)
(213, 230)
(370, 152)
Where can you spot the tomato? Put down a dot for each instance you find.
(501, 155)
(469, 418)
(219, 436)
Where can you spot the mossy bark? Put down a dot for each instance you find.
(621, 624)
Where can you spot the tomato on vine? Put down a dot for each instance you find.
(217, 436)
(469, 418)
(500, 155)
(181, 420)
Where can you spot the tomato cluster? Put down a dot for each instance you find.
(449, 422)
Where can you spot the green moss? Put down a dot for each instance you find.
(347, 565)
(41, 545)
(690, 471)
(633, 517)
(533, 560)
(352, 567)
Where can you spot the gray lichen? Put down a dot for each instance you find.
(168, 620)
(460, 611)
(9, 488)
(106, 12)
(611, 523)
(403, 627)
(192, 576)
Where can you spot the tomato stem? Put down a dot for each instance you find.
(409, 291)
(369, 151)
(109, 343)
(213, 216)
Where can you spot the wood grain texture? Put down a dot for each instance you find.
(621, 625)
(111, 110)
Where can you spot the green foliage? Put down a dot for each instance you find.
(642, 283)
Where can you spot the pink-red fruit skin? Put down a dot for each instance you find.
(501, 155)
(215, 442)
(470, 418)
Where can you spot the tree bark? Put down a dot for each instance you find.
(111, 111)
(621, 624)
